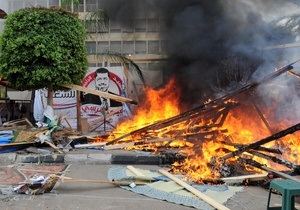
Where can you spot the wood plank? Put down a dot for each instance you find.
(135, 171)
(268, 139)
(100, 93)
(138, 174)
(119, 146)
(193, 190)
(16, 144)
(69, 179)
(280, 174)
(252, 177)
(90, 145)
(40, 171)
(101, 119)
(54, 147)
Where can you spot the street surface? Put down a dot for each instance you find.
(75, 195)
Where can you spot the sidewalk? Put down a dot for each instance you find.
(87, 156)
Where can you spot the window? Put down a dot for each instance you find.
(140, 25)
(30, 3)
(142, 66)
(163, 25)
(95, 26)
(102, 46)
(153, 47)
(128, 26)
(140, 47)
(90, 26)
(163, 47)
(53, 3)
(115, 46)
(102, 27)
(92, 64)
(153, 25)
(115, 64)
(154, 66)
(79, 7)
(114, 27)
(91, 47)
(128, 47)
(91, 5)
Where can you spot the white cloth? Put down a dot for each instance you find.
(38, 110)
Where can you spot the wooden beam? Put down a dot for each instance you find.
(54, 147)
(138, 174)
(101, 119)
(78, 111)
(16, 144)
(134, 171)
(100, 93)
(193, 190)
(90, 145)
(119, 146)
(68, 179)
(251, 177)
(268, 139)
(280, 174)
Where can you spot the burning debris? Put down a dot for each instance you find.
(206, 140)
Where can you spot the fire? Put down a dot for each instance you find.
(157, 105)
(204, 149)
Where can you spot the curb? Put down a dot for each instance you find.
(87, 159)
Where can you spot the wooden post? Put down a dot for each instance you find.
(100, 93)
(193, 190)
(50, 96)
(78, 106)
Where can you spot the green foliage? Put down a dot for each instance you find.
(42, 47)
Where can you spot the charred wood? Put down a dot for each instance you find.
(196, 112)
(270, 170)
(273, 137)
(207, 107)
(276, 160)
(260, 148)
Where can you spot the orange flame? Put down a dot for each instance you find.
(157, 105)
(243, 125)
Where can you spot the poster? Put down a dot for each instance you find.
(100, 114)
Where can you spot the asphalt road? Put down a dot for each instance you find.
(74, 195)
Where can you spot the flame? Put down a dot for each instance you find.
(157, 105)
(243, 126)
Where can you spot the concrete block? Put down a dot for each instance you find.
(135, 159)
(8, 158)
(27, 159)
(76, 158)
(55, 158)
(99, 159)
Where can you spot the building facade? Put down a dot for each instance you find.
(140, 39)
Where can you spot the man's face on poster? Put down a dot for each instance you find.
(102, 82)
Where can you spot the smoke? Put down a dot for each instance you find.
(213, 44)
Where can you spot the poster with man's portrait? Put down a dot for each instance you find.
(100, 114)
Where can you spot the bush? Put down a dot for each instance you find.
(42, 47)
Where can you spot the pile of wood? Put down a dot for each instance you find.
(204, 123)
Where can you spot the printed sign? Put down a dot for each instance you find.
(101, 114)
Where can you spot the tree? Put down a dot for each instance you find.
(42, 47)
